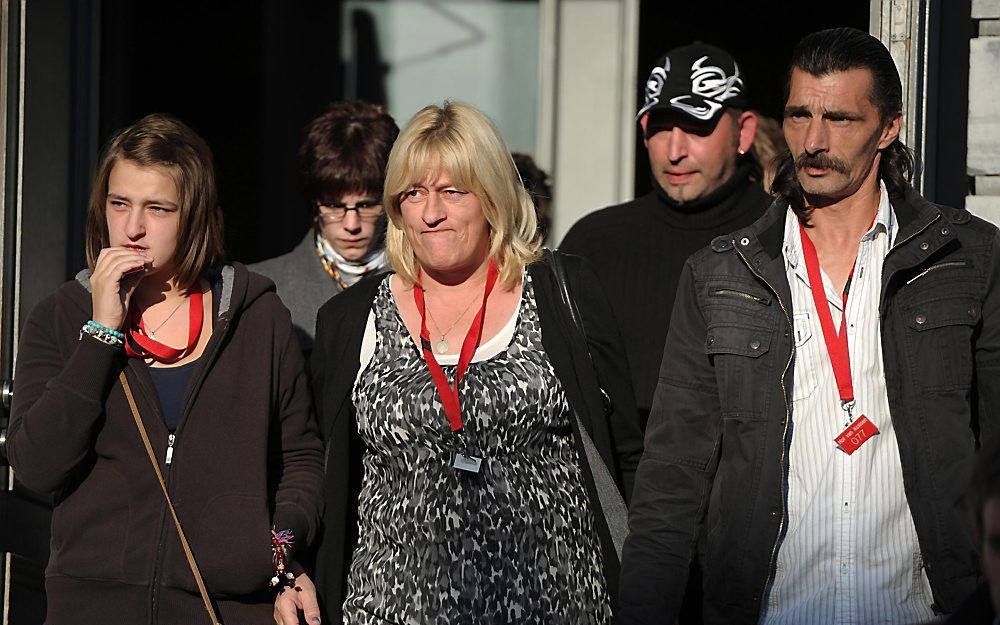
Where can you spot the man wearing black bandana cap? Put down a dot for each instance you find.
(829, 373)
(698, 132)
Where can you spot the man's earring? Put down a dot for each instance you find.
(741, 151)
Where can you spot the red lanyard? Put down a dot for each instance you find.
(146, 347)
(836, 344)
(449, 395)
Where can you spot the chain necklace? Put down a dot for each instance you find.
(151, 333)
(442, 345)
(331, 268)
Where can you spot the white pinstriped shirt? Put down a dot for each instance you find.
(850, 554)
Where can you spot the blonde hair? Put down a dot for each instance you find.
(458, 139)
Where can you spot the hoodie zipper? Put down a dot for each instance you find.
(210, 353)
(784, 434)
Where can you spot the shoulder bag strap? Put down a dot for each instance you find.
(612, 502)
(163, 486)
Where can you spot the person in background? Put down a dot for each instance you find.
(698, 131)
(767, 146)
(208, 352)
(539, 186)
(341, 167)
(829, 373)
(475, 468)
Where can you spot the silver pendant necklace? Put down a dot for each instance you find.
(151, 333)
(442, 345)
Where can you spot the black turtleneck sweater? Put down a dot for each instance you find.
(638, 250)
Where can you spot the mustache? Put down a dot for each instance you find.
(820, 161)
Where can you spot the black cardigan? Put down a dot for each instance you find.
(335, 363)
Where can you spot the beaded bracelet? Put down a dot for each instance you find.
(103, 328)
(281, 542)
(102, 335)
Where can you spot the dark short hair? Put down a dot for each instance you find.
(160, 140)
(345, 150)
(839, 50)
(985, 484)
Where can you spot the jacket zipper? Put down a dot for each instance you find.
(154, 575)
(747, 296)
(950, 263)
(784, 391)
(784, 434)
(881, 311)
(216, 341)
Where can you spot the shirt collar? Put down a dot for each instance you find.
(885, 221)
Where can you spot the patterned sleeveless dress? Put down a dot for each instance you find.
(514, 543)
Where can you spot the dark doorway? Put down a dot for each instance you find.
(247, 75)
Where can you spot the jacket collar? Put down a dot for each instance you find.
(762, 240)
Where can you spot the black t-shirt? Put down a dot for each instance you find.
(171, 384)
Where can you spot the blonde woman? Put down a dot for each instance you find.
(470, 449)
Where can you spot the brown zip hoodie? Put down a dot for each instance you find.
(246, 456)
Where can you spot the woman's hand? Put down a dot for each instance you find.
(116, 274)
(290, 600)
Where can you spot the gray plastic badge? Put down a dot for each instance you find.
(467, 463)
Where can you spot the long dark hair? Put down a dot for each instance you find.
(839, 50)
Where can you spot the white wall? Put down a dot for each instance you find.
(594, 105)
(482, 53)
(984, 112)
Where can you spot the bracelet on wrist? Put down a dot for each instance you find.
(106, 329)
(281, 543)
(102, 335)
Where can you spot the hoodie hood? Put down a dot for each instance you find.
(234, 288)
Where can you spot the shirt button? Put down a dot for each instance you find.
(920, 319)
(924, 246)
(711, 340)
(745, 241)
(755, 344)
(945, 231)
(973, 311)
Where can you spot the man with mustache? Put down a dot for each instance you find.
(697, 129)
(828, 374)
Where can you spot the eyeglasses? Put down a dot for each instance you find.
(332, 212)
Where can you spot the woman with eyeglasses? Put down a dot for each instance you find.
(341, 168)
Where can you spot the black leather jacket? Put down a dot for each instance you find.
(713, 475)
